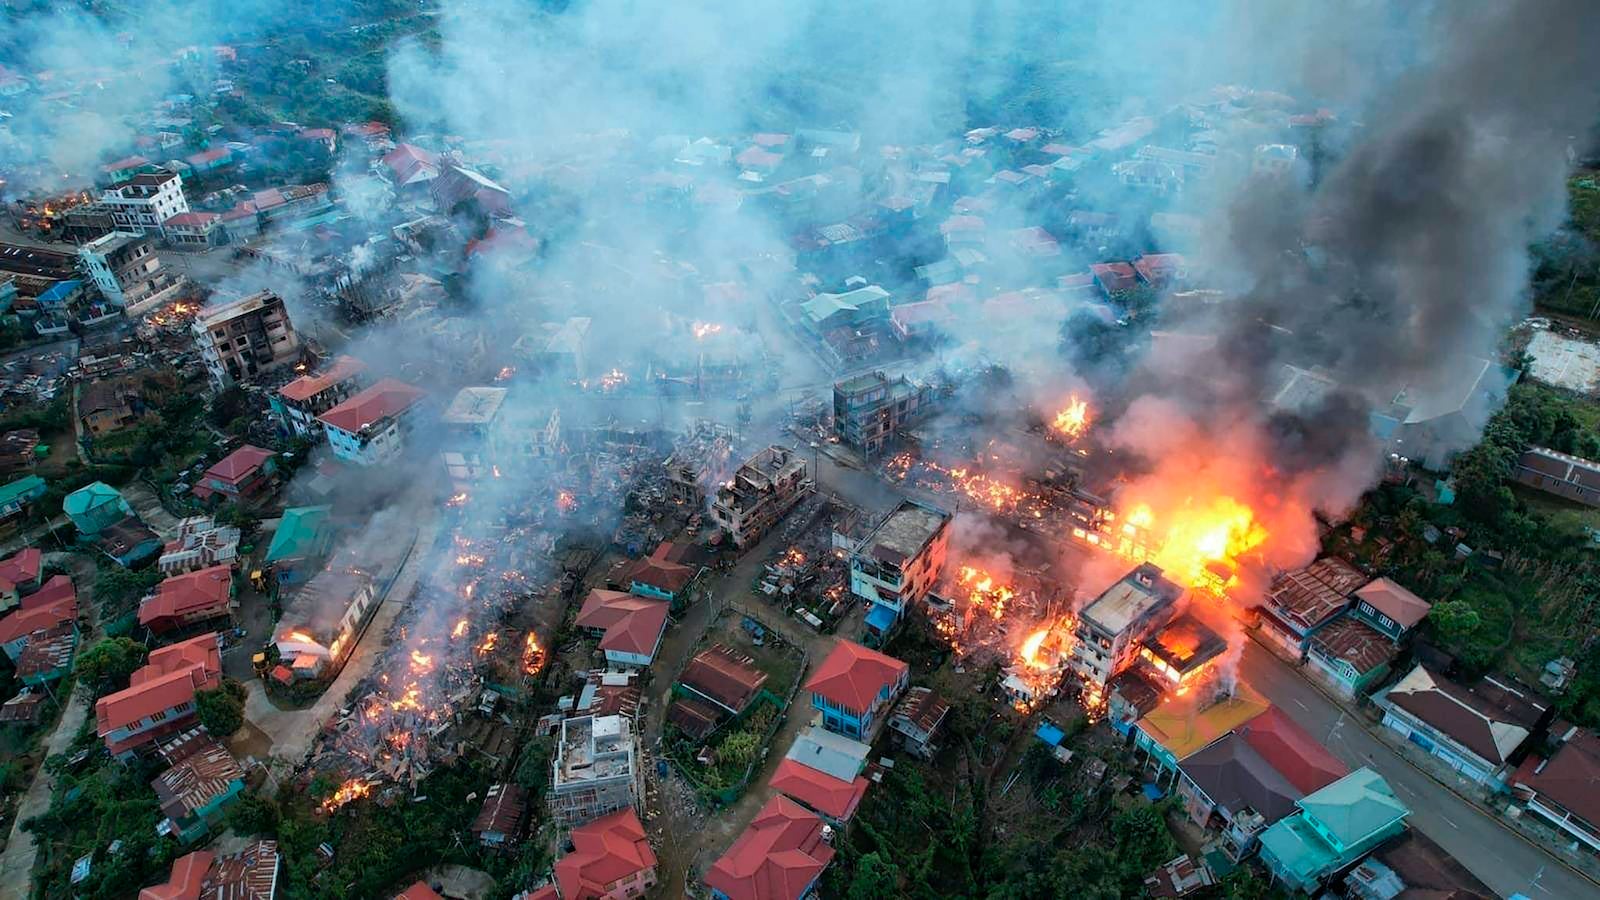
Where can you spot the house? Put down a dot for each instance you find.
(611, 859)
(127, 542)
(660, 578)
(128, 270)
(1349, 655)
(822, 771)
(1560, 789)
(595, 770)
(459, 189)
(298, 403)
(469, 428)
(203, 781)
(630, 626)
(371, 427)
(243, 476)
(501, 819)
(868, 410)
(19, 574)
(140, 203)
(184, 600)
(20, 449)
(853, 686)
(899, 562)
(1114, 278)
(1111, 629)
(1182, 724)
(200, 543)
(58, 298)
(123, 169)
(159, 699)
(300, 543)
(26, 708)
(195, 231)
(1251, 777)
(1299, 602)
(1411, 866)
(17, 497)
(851, 308)
(780, 855)
(249, 874)
(1480, 731)
(1557, 473)
(761, 492)
(1332, 828)
(723, 677)
(48, 656)
(209, 160)
(916, 720)
(1179, 877)
(53, 605)
(410, 166)
(1390, 609)
(109, 404)
(419, 891)
(1161, 270)
(323, 620)
(1427, 423)
(244, 338)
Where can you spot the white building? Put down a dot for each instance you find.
(242, 339)
(468, 422)
(127, 270)
(595, 770)
(323, 620)
(1111, 628)
(142, 203)
(372, 426)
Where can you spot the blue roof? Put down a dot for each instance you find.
(1049, 733)
(881, 618)
(59, 290)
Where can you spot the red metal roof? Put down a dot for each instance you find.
(24, 622)
(853, 676)
(822, 792)
(632, 624)
(1296, 755)
(191, 595)
(132, 162)
(188, 875)
(239, 465)
(418, 891)
(169, 679)
(388, 398)
(307, 386)
(193, 218)
(610, 848)
(59, 587)
(1115, 276)
(724, 675)
(777, 856)
(20, 568)
(657, 572)
(1568, 778)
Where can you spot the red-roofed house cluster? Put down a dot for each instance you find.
(160, 697)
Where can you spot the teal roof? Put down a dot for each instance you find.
(820, 307)
(300, 532)
(91, 496)
(1298, 848)
(20, 488)
(1356, 806)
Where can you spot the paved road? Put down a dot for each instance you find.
(1504, 860)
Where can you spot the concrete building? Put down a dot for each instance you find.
(854, 687)
(195, 231)
(127, 270)
(761, 492)
(1331, 829)
(371, 427)
(323, 621)
(1557, 473)
(611, 859)
(1480, 731)
(142, 203)
(780, 855)
(298, 403)
(159, 699)
(595, 770)
(869, 409)
(239, 340)
(468, 423)
(899, 562)
(1112, 627)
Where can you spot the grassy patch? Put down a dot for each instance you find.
(1562, 513)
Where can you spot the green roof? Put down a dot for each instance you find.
(820, 307)
(1356, 806)
(20, 488)
(91, 496)
(1298, 848)
(300, 532)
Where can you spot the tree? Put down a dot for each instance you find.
(253, 815)
(221, 710)
(740, 748)
(117, 589)
(1456, 620)
(107, 666)
(876, 878)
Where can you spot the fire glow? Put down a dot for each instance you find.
(703, 329)
(533, 655)
(566, 502)
(1198, 542)
(354, 789)
(1072, 422)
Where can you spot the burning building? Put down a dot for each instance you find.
(760, 493)
(869, 409)
(698, 462)
(899, 562)
(324, 620)
(128, 272)
(1024, 622)
(595, 770)
(299, 403)
(1112, 627)
(1183, 651)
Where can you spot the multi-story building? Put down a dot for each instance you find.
(127, 270)
(899, 562)
(159, 699)
(324, 620)
(766, 487)
(526, 433)
(372, 426)
(1111, 628)
(195, 231)
(242, 339)
(468, 422)
(868, 409)
(611, 858)
(142, 203)
(298, 403)
(854, 687)
(595, 770)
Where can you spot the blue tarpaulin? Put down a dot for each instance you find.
(881, 618)
(1050, 734)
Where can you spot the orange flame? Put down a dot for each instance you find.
(421, 663)
(354, 789)
(1072, 421)
(460, 629)
(566, 502)
(489, 641)
(532, 655)
(1198, 543)
(701, 329)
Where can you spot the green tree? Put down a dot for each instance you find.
(117, 589)
(253, 815)
(876, 878)
(221, 710)
(1456, 620)
(740, 748)
(107, 665)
